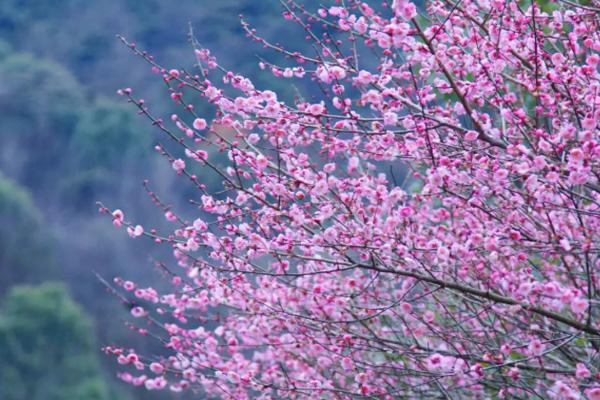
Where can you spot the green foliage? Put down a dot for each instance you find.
(26, 245)
(108, 133)
(56, 142)
(108, 140)
(46, 347)
(39, 91)
(41, 103)
(16, 17)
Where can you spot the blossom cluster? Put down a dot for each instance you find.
(429, 227)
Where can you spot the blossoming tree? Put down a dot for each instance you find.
(428, 228)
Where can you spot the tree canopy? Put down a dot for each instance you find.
(47, 347)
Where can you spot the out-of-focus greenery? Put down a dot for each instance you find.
(25, 243)
(41, 103)
(107, 141)
(55, 140)
(81, 35)
(47, 347)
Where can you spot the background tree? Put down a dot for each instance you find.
(47, 347)
(25, 241)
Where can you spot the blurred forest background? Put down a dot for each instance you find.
(66, 141)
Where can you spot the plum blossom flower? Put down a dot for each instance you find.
(432, 195)
(593, 393)
(390, 118)
(500, 175)
(138, 312)
(536, 347)
(118, 218)
(261, 162)
(199, 124)
(157, 368)
(581, 371)
(429, 316)
(471, 136)
(361, 378)
(561, 391)
(178, 165)
(588, 123)
(136, 231)
(353, 163)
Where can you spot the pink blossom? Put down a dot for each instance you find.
(329, 168)
(420, 220)
(562, 391)
(579, 305)
(363, 78)
(500, 175)
(157, 368)
(471, 136)
(565, 244)
(588, 123)
(536, 347)
(178, 165)
(353, 163)
(361, 378)
(429, 316)
(136, 231)
(253, 138)
(593, 60)
(581, 372)
(170, 216)
(404, 8)
(347, 363)
(390, 118)
(138, 312)
(435, 361)
(199, 124)
(593, 394)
